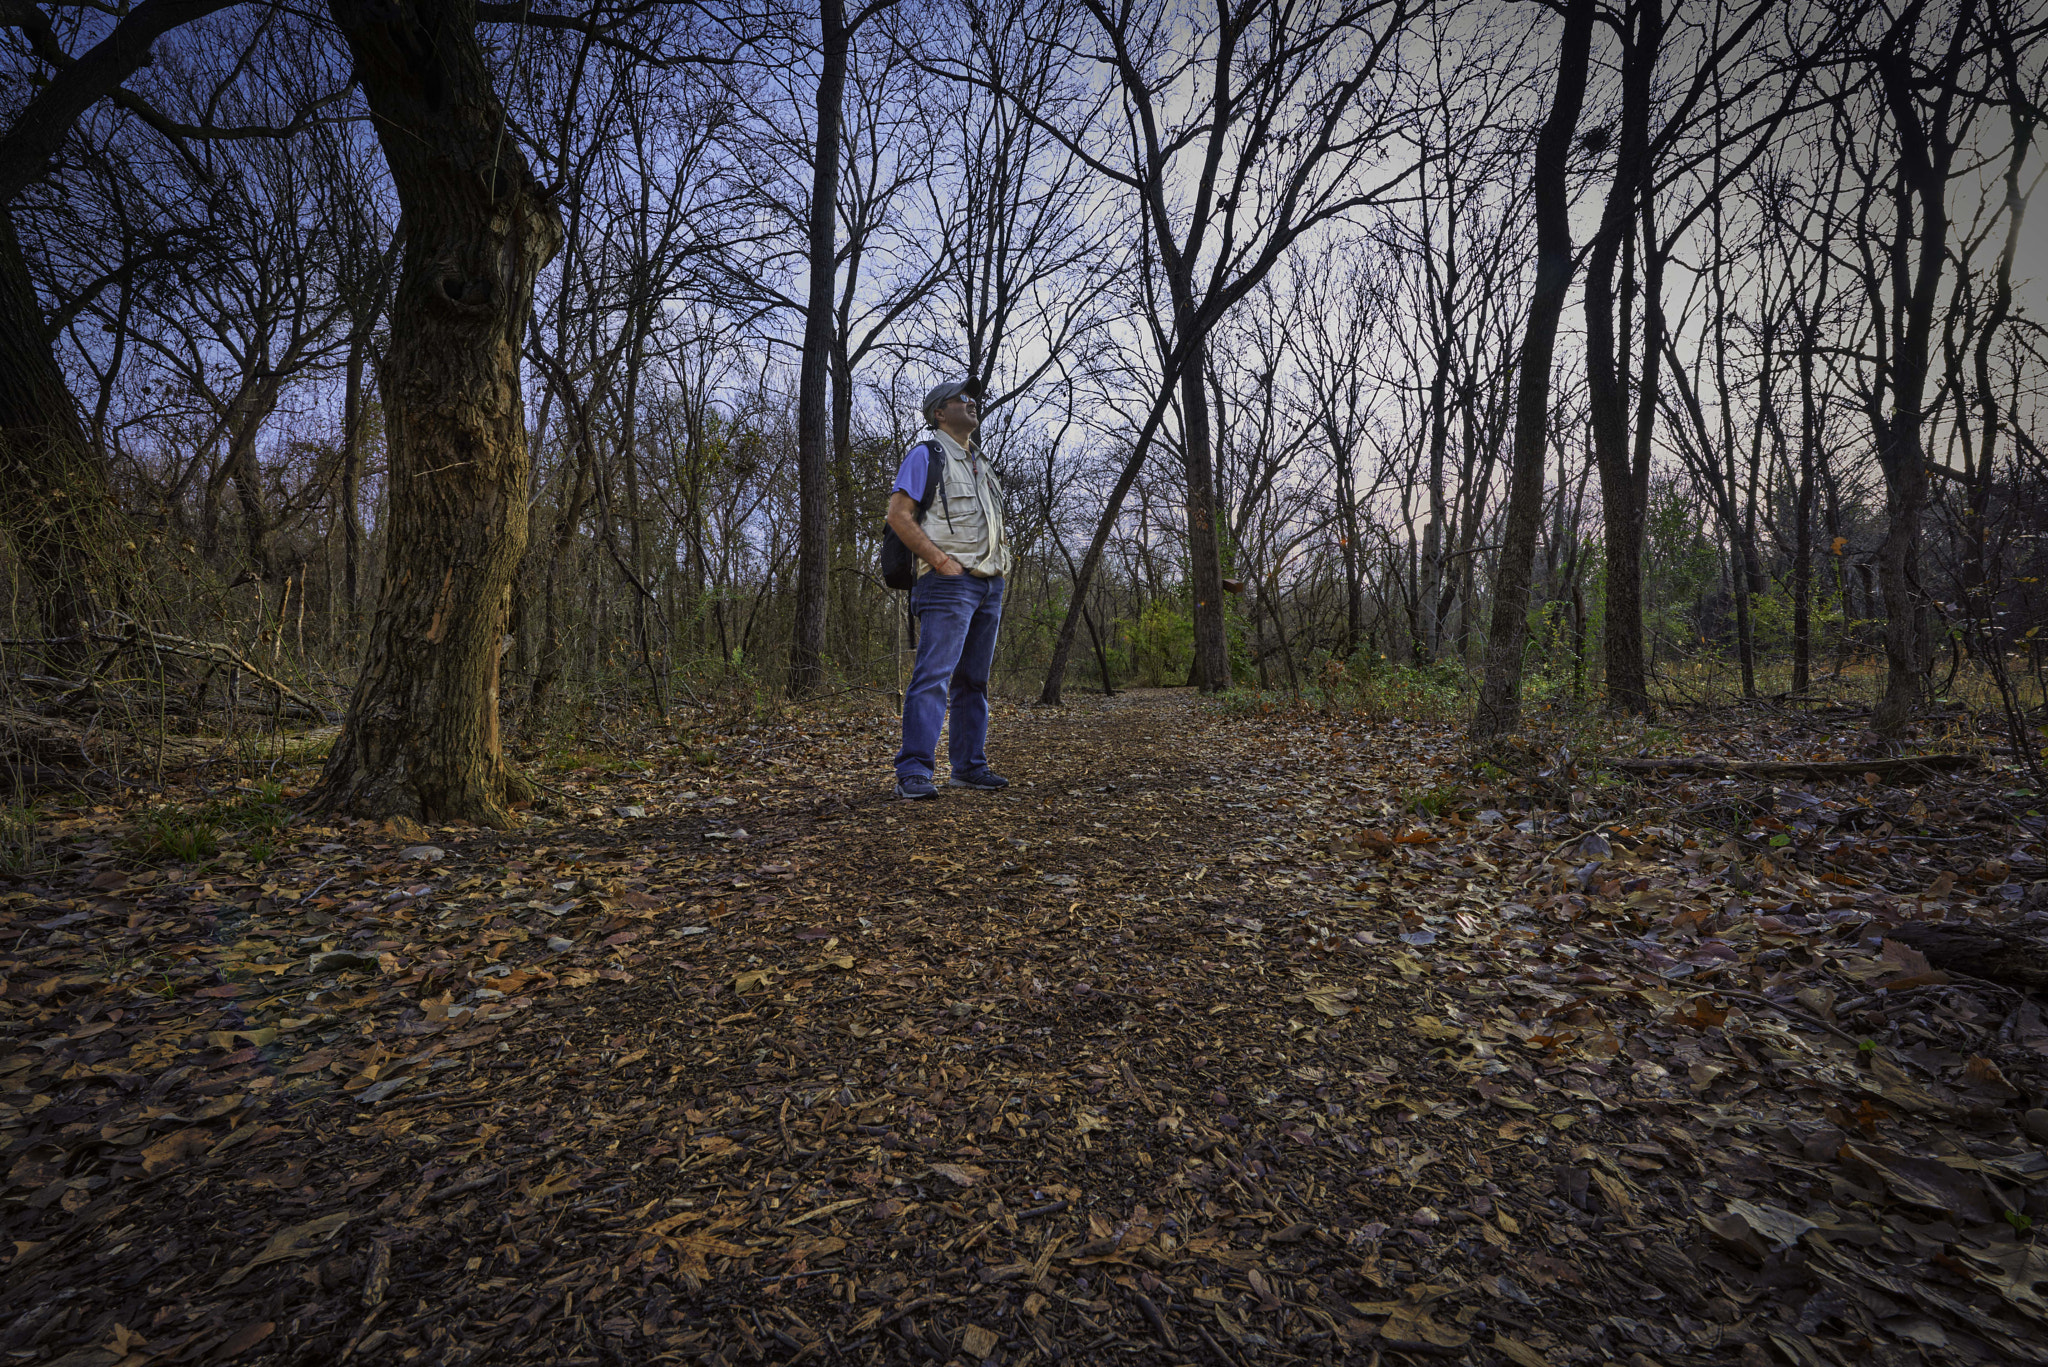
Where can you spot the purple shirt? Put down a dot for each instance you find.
(910, 476)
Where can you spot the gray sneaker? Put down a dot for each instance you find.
(915, 787)
(987, 780)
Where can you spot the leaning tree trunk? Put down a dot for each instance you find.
(813, 416)
(1500, 696)
(53, 483)
(421, 738)
(1063, 643)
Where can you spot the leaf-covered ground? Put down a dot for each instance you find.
(1211, 1040)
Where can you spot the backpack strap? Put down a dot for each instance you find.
(934, 476)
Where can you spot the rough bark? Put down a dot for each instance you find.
(813, 415)
(1500, 696)
(421, 738)
(53, 481)
(1212, 643)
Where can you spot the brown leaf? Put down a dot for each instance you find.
(692, 1249)
(1924, 1182)
(175, 1150)
(243, 1339)
(2016, 1272)
(296, 1241)
(1414, 1330)
(1518, 1352)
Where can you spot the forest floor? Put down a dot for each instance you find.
(1214, 1039)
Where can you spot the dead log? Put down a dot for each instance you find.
(2013, 955)
(1907, 767)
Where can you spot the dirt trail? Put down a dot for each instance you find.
(1145, 1059)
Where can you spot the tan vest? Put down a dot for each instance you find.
(966, 517)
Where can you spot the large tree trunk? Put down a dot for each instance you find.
(53, 482)
(1212, 642)
(1898, 573)
(1500, 696)
(813, 417)
(421, 738)
(1925, 163)
(1622, 514)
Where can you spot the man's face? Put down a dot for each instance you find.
(960, 411)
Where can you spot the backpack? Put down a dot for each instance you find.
(899, 566)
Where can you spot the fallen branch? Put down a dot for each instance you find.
(2011, 956)
(216, 653)
(1910, 766)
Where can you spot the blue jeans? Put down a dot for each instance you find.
(957, 618)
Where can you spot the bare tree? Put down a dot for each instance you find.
(814, 430)
(1287, 110)
(1922, 63)
(1500, 697)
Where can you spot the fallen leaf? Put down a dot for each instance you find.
(1780, 1229)
(1411, 1329)
(297, 1241)
(1924, 1182)
(175, 1150)
(692, 1249)
(243, 1339)
(1429, 1027)
(1516, 1351)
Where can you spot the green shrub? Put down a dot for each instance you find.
(172, 832)
(263, 811)
(1162, 644)
(1442, 691)
(1439, 801)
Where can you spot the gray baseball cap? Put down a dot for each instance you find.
(951, 389)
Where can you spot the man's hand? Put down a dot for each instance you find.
(903, 519)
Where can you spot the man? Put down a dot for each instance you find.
(958, 597)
